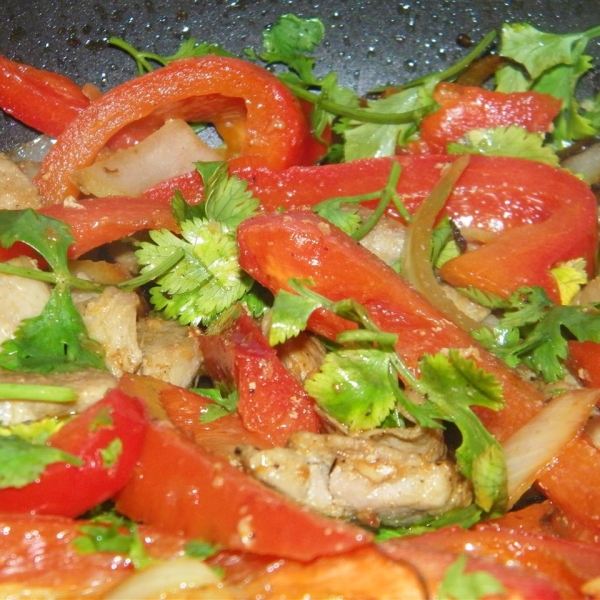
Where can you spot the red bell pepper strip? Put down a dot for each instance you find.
(182, 483)
(565, 563)
(270, 400)
(255, 114)
(42, 100)
(464, 108)
(303, 246)
(584, 362)
(541, 215)
(67, 490)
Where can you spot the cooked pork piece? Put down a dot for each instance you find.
(110, 318)
(91, 385)
(20, 298)
(382, 477)
(16, 190)
(170, 351)
(302, 355)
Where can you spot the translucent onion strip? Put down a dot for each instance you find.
(417, 268)
(164, 577)
(535, 445)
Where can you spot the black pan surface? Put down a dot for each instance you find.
(369, 43)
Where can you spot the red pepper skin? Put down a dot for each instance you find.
(541, 215)
(303, 246)
(67, 490)
(253, 111)
(548, 563)
(584, 362)
(463, 108)
(271, 402)
(42, 100)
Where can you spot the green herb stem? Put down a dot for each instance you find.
(362, 115)
(38, 393)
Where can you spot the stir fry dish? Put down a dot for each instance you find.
(261, 337)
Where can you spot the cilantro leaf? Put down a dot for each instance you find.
(49, 237)
(553, 64)
(227, 198)
(57, 339)
(464, 516)
(206, 281)
(54, 341)
(506, 141)
(353, 387)
(570, 276)
(451, 385)
(532, 332)
(359, 385)
(22, 462)
(458, 584)
(110, 532)
(293, 35)
(110, 454)
(290, 315)
(375, 140)
(223, 404)
(200, 549)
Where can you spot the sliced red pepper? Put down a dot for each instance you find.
(188, 487)
(303, 246)
(540, 215)
(271, 402)
(255, 114)
(67, 490)
(567, 564)
(463, 108)
(584, 362)
(42, 100)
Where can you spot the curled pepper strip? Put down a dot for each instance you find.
(254, 113)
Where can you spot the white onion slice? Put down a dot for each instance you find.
(163, 577)
(170, 151)
(535, 445)
(586, 164)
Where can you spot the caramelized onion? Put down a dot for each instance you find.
(417, 267)
(535, 445)
(162, 578)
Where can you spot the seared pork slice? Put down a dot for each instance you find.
(381, 477)
(110, 318)
(20, 298)
(170, 351)
(91, 385)
(16, 190)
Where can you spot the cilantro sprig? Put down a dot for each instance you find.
(57, 339)
(208, 279)
(359, 386)
(534, 331)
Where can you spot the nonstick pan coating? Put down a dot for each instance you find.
(369, 43)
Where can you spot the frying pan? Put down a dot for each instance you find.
(368, 42)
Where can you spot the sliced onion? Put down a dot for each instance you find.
(536, 444)
(417, 268)
(163, 578)
(170, 151)
(585, 164)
